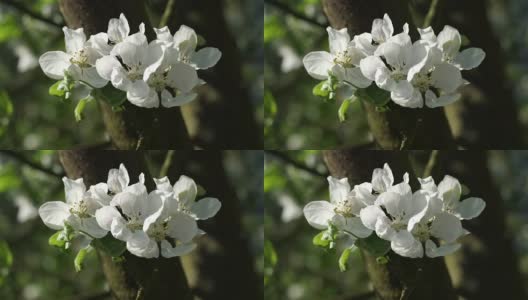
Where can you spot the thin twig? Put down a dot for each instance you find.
(288, 10)
(21, 158)
(167, 13)
(431, 13)
(20, 7)
(166, 163)
(431, 163)
(285, 158)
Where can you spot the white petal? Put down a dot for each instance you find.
(427, 34)
(185, 190)
(382, 29)
(338, 39)
(118, 179)
(88, 75)
(54, 213)
(447, 227)
(382, 179)
(74, 39)
(120, 80)
(432, 101)
(119, 229)
(319, 213)
(431, 250)
(449, 40)
(140, 94)
(182, 227)
(168, 251)
(141, 245)
(182, 77)
(449, 189)
(167, 100)
(105, 65)
(118, 29)
(318, 63)
(404, 94)
(163, 184)
(339, 188)
(90, 226)
(163, 34)
(73, 189)
(352, 225)
(206, 208)
(370, 65)
(130, 53)
(470, 208)
(428, 184)
(406, 245)
(351, 75)
(206, 58)
(186, 34)
(99, 42)
(54, 63)
(99, 194)
(364, 43)
(393, 203)
(469, 58)
(370, 215)
(106, 215)
(446, 77)
(384, 228)
(364, 193)
(393, 54)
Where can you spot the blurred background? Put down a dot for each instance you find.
(31, 269)
(32, 119)
(492, 264)
(493, 113)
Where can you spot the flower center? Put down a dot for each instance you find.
(80, 209)
(134, 223)
(398, 75)
(345, 206)
(422, 82)
(421, 231)
(344, 58)
(80, 58)
(157, 81)
(134, 73)
(158, 231)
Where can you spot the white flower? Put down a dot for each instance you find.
(118, 31)
(342, 211)
(342, 61)
(78, 210)
(449, 41)
(78, 60)
(184, 42)
(449, 191)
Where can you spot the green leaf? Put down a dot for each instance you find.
(321, 89)
(56, 240)
(374, 245)
(343, 108)
(343, 259)
(79, 258)
(321, 240)
(55, 91)
(270, 260)
(110, 95)
(382, 260)
(63, 88)
(373, 94)
(80, 107)
(6, 261)
(6, 111)
(110, 245)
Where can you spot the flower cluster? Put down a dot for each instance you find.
(413, 223)
(427, 71)
(161, 71)
(163, 220)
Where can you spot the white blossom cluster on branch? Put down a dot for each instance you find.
(161, 222)
(162, 71)
(425, 72)
(426, 222)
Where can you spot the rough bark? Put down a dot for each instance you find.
(490, 96)
(223, 116)
(398, 128)
(135, 277)
(225, 246)
(488, 251)
(400, 278)
(134, 127)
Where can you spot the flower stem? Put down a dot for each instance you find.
(431, 13)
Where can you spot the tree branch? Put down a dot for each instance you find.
(288, 10)
(20, 7)
(285, 158)
(24, 160)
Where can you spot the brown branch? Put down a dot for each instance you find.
(289, 11)
(20, 7)
(287, 159)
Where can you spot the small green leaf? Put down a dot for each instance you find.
(382, 260)
(374, 245)
(343, 108)
(321, 89)
(78, 262)
(111, 95)
(56, 240)
(55, 91)
(6, 261)
(321, 240)
(374, 95)
(80, 107)
(343, 259)
(110, 245)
